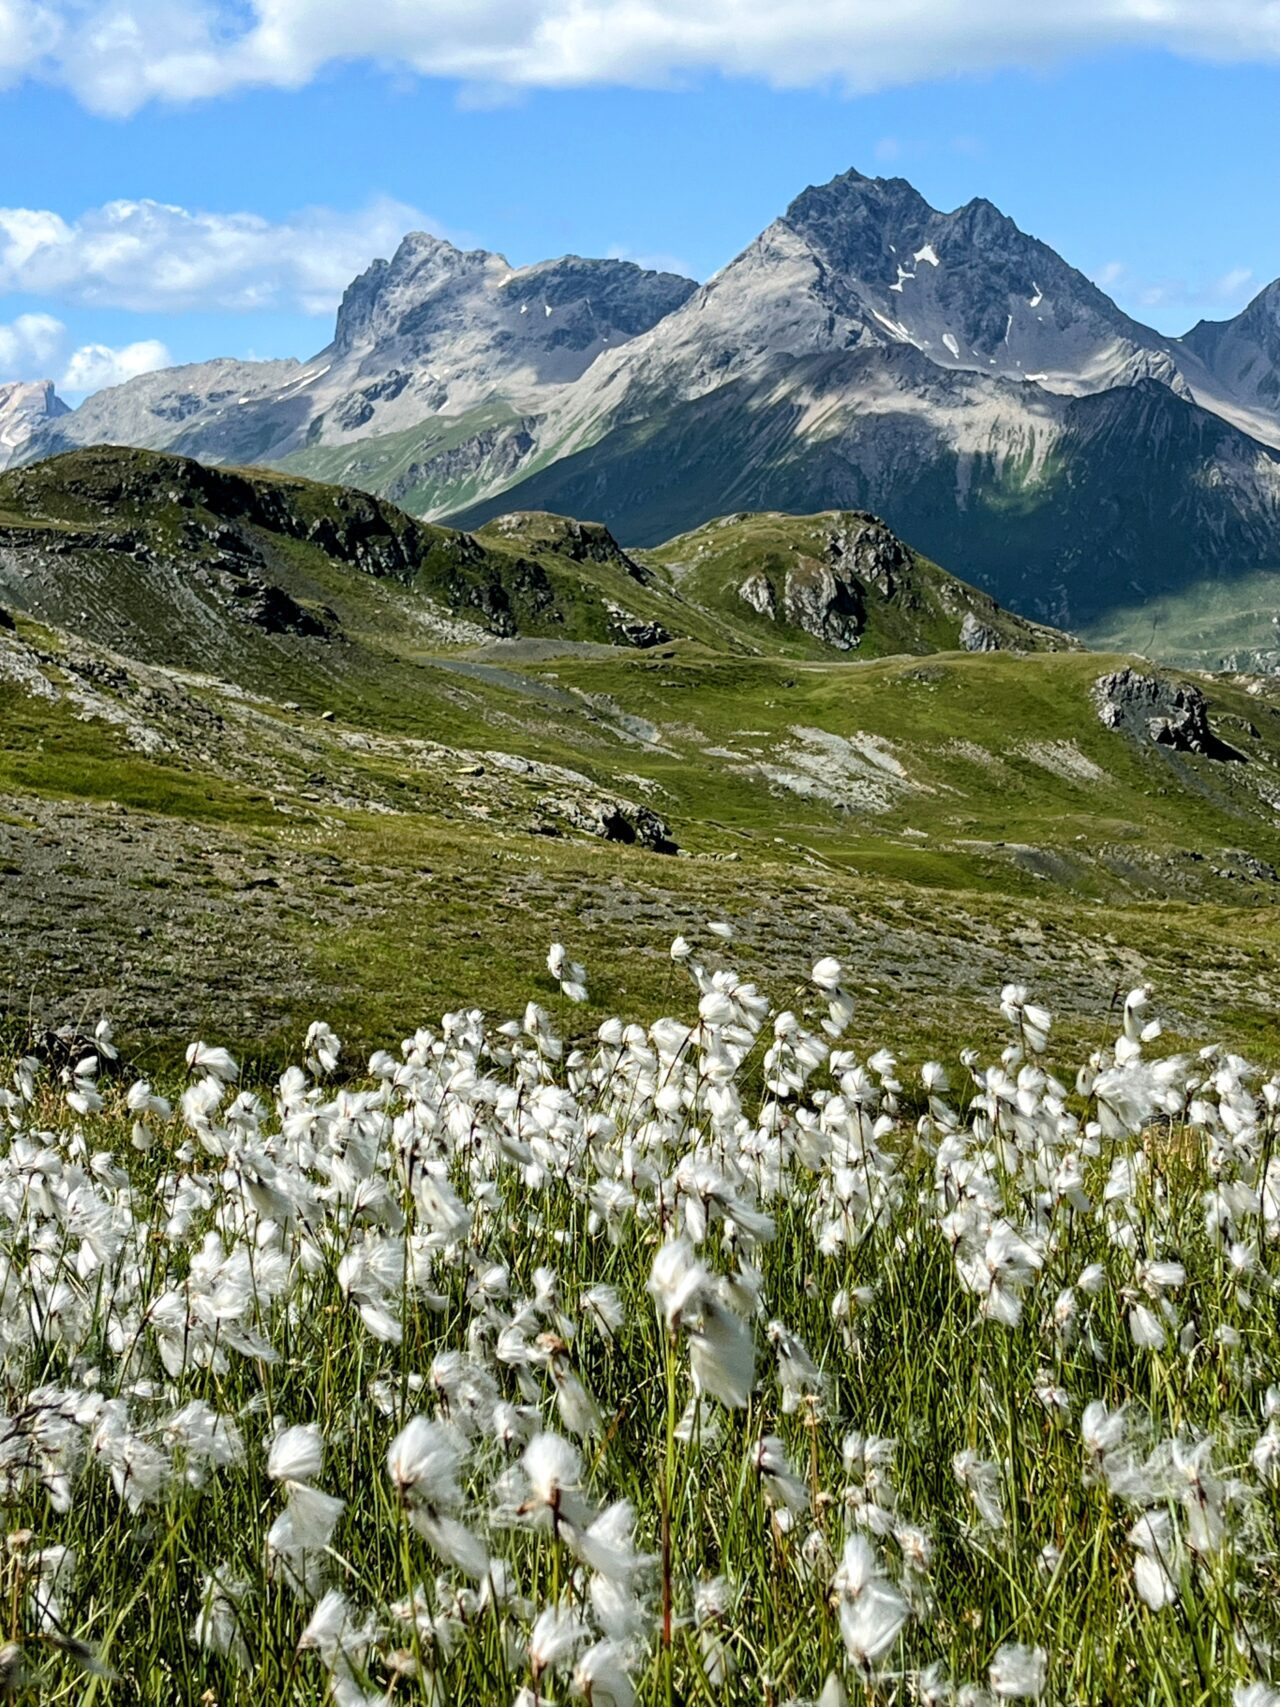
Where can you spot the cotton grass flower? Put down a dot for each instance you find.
(871, 1610)
(449, 1253)
(1019, 1673)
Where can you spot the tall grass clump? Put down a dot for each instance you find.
(714, 1361)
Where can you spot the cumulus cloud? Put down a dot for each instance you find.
(35, 346)
(1232, 282)
(151, 257)
(118, 54)
(93, 367)
(29, 345)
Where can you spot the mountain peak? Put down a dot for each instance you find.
(851, 195)
(980, 216)
(25, 407)
(417, 248)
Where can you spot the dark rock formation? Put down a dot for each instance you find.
(1170, 714)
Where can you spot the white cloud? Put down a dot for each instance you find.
(95, 366)
(1230, 285)
(118, 54)
(34, 346)
(150, 257)
(29, 345)
(29, 33)
(1177, 299)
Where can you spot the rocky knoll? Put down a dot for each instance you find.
(1170, 714)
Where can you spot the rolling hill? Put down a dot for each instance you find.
(259, 760)
(266, 579)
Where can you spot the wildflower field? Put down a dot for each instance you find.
(714, 1360)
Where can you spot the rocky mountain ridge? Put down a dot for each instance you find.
(26, 406)
(944, 370)
(433, 331)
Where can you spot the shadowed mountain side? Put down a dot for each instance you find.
(1062, 508)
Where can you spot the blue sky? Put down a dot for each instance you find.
(1152, 170)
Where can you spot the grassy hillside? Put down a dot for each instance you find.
(423, 464)
(1132, 496)
(197, 858)
(757, 571)
(259, 761)
(285, 585)
(269, 578)
(1215, 625)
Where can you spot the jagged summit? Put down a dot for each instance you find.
(969, 288)
(1243, 354)
(431, 332)
(866, 350)
(25, 407)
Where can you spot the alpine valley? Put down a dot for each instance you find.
(579, 601)
(943, 370)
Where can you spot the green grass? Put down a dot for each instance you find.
(908, 1358)
(987, 852)
(1212, 625)
(387, 462)
(923, 613)
(958, 822)
(48, 752)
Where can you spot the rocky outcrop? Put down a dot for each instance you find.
(206, 510)
(825, 594)
(635, 631)
(757, 592)
(1152, 708)
(862, 548)
(825, 603)
(579, 542)
(614, 821)
(502, 595)
(977, 636)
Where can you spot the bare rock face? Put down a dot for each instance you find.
(1152, 708)
(757, 592)
(864, 549)
(826, 603)
(975, 636)
(499, 451)
(25, 407)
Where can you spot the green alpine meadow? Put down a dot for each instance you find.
(639, 901)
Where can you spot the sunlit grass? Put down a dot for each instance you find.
(988, 1364)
